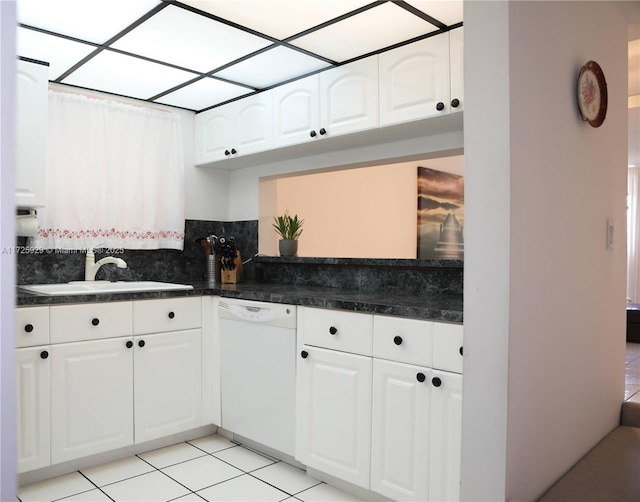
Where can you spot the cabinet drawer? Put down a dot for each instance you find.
(167, 314)
(32, 326)
(447, 347)
(338, 330)
(90, 321)
(403, 340)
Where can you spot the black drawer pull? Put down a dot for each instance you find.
(129, 344)
(440, 106)
(455, 103)
(461, 351)
(436, 382)
(333, 330)
(172, 315)
(304, 354)
(95, 321)
(28, 328)
(141, 343)
(420, 377)
(44, 354)
(397, 340)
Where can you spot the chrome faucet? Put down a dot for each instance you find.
(91, 266)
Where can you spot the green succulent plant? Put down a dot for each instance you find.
(287, 227)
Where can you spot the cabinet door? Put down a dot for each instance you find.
(333, 422)
(456, 62)
(296, 112)
(31, 133)
(214, 134)
(168, 383)
(414, 79)
(32, 407)
(253, 130)
(91, 398)
(400, 430)
(349, 97)
(446, 426)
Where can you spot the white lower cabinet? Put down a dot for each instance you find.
(32, 407)
(168, 383)
(445, 441)
(382, 417)
(400, 430)
(98, 381)
(333, 423)
(91, 397)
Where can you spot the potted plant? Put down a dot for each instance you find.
(289, 229)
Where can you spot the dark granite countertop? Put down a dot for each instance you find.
(438, 308)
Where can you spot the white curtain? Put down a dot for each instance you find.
(633, 235)
(114, 176)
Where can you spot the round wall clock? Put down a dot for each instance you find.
(592, 94)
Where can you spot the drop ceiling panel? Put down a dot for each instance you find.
(202, 93)
(271, 67)
(447, 12)
(367, 32)
(279, 18)
(126, 75)
(88, 20)
(189, 40)
(180, 42)
(60, 53)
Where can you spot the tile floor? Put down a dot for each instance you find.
(632, 373)
(214, 469)
(207, 469)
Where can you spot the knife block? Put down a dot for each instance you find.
(233, 276)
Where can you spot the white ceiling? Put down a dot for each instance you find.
(196, 54)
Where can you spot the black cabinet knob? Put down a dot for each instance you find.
(313, 134)
(436, 382)
(129, 344)
(304, 354)
(333, 330)
(141, 343)
(28, 328)
(44, 354)
(455, 103)
(397, 340)
(440, 106)
(171, 315)
(460, 350)
(227, 153)
(95, 321)
(420, 377)
(323, 131)
(233, 151)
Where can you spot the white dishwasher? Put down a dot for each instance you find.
(257, 371)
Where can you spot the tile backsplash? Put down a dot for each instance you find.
(167, 265)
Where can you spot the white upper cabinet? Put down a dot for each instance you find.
(335, 102)
(296, 111)
(456, 63)
(238, 128)
(31, 133)
(349, 97)
(414, 81)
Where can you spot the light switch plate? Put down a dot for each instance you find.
(609, 233)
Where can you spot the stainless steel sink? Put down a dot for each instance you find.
(88, 288)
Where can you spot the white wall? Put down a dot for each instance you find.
(544, 297)
(7, 259)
